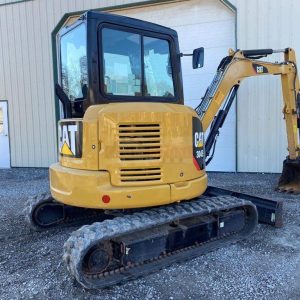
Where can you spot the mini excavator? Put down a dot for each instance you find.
(133, 155)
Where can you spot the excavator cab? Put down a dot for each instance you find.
(105, 58)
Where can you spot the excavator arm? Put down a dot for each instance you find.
(219, 96)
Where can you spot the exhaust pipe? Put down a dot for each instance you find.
(289, 181)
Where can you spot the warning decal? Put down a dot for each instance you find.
(70, 138)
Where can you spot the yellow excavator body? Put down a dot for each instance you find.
(133, 155)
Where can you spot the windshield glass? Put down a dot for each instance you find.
(74, 62)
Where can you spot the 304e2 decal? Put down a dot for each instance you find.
(198, 144)
(70, 138)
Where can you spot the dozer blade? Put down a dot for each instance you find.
(289, 181)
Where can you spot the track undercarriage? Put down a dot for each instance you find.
(121, 246)
(114, 251)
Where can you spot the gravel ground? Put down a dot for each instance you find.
(265, 266)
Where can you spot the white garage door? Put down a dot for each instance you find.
(210, 24)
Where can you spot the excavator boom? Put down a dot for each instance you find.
(230, 73)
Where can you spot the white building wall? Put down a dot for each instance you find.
(262, 142)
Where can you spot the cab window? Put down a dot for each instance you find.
(135, 65)
(122, 62)
(74, 62)
(158, 70)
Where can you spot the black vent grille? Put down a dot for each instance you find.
(139, 142)
(136, 175)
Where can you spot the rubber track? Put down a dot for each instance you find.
(33, 202)
(88, 236)
(31, 205)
